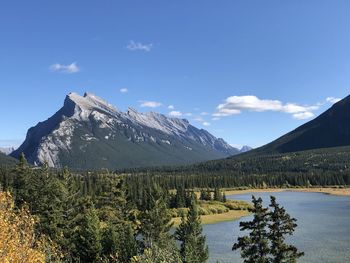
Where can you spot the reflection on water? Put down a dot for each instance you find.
(323, 231)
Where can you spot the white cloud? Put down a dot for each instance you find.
(171, 107)
(236, 104)
(215, 118)
(124, 90)
(71, 68)
(206, 123)
(303, 115)
(204, 113)
(175, 113)
(200, 119)
(135, 46)
(333, 100)
(150, 104)
(189, 114)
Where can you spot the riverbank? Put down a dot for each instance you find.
(232, 215)
(325, 190)
(216, 218)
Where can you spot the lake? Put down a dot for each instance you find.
(323, 231)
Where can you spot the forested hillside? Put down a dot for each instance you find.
(330, 129)
(316, 167)
(6, 160)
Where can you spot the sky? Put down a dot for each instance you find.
(246, 71)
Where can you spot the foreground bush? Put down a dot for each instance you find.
(18, 242)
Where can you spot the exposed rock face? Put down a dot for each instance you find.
(89, 133)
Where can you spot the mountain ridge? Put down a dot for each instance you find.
(88, 132)
(330, 129)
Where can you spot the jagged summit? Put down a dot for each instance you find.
(89, 133)
(84, 105)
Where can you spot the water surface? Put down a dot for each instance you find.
(323, 231)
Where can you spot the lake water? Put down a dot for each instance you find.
(323, 231)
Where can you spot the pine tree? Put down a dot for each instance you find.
(155, 219)
(255, 246)
(86, 234)
(282, 225)
(217, 194)
(189, 233)
(118, 242)
(22, 173)
(224, 197)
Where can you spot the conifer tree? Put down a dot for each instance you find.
(155, 219)
(282, 225)
(224, 197)
(189, 233)
(22, 172)
(86, 236)
(255, 246)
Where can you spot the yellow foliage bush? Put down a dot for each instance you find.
(18, 242)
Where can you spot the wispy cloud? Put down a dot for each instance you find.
(303, 115)
(124, 90)
(236, 104)
(138, 46)
(171, 107)
(333, 100)
(189, 114)
(175, 113)
(69, 69)
(150, 104)
(204, 113)
(201, 120)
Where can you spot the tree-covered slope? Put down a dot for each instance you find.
(330, 129)
(6, 160)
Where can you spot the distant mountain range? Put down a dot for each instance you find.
(89, 133)
(245, 148)
(7, 150)
(330, 129)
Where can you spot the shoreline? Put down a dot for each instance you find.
(233, 215)
(322, 190)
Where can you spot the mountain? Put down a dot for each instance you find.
(245, 148)
(7, 150)
(330, 129)
(89, 133)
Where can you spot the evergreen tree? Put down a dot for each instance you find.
(255, 246)
(217, 194)
(282, 225)
(155, 219)
(119, 242)
(224, 197)
(22, 172)
(189, 233)
(86, 236)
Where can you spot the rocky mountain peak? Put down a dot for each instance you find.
(88, 132)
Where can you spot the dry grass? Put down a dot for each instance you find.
(328, 190)
(215, 218)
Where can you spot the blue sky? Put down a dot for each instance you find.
(247, 71)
